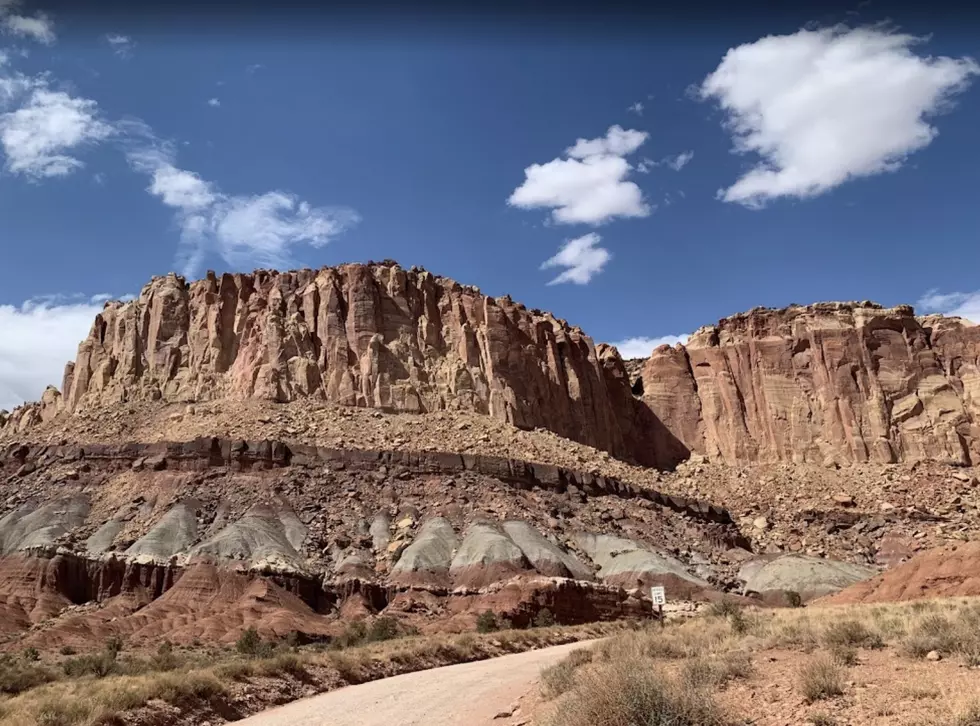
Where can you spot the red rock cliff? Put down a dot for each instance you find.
(373, 335)
(845, 382)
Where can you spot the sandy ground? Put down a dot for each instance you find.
(471, 694)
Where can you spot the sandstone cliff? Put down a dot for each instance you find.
(825, 383)
(832, 382)
(371, 335)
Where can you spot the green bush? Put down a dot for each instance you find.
(544, 619)
(487, 622)
(251, 644)
(17, 676)
(31, 655)
(99, 665)
(383, 628)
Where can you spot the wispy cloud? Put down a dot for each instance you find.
(820, 107)
(589, 186)
(636, 108)
(37, 27)
(258, 229)
(680, 161)
(953, 304)
(642, 347)
(582, 258)
(37, 136)
(122, 45)
(214, 102)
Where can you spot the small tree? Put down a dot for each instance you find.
(487, 622)
(249, 642)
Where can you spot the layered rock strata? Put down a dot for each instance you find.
(206, 537)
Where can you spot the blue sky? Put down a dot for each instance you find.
(639, 179)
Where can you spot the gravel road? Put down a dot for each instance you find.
(470, 694)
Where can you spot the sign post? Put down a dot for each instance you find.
(658, 595)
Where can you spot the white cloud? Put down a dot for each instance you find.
(122, 45)
(214, 102)
(636, 108)
(257, 229)
(680, 161)
(953, 304)
(582, 258)
(824, 106)
(36, 136)
(646, 165)
(39, 26)
(617, 142)
(642, 347)
(39, 337)
(590, 186)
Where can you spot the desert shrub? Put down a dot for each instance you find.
(383, 628)
(164, 659)
(845, 655)
(17, 676)
(701, 672)
(931, 632)
(969, 716)
(31, 655)
(66, 650)
(250, 643)
(62, 711)
(114, 645)
(821, 718)
(820, 677)
(544, 619)
(794, 599)
(99, 665)
(630, 692)
(486, 622)
(724, 608)
(284, 663)
(853, 633)
(557, 679)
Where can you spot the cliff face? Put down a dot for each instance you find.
(844, 382)
(831, 382)
(372, 335)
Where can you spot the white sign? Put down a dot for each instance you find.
(658, 595)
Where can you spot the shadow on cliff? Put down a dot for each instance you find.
(657, 446)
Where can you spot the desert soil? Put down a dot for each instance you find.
(471, 693)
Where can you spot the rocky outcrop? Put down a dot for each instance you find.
(825, 383)
(771, 577)
(370, 335)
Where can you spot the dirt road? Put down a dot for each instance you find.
(470, 694)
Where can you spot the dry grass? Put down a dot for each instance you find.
(94, 690)
(628, 691)
(557, 679)
(704, 655)
(821, 677)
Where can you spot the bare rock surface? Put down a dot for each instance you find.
(41, 526)
(428, 558)
(544, 555)
(625, 562)
(809, 577)
(259, 541)
(171, 536)
(485, 555)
